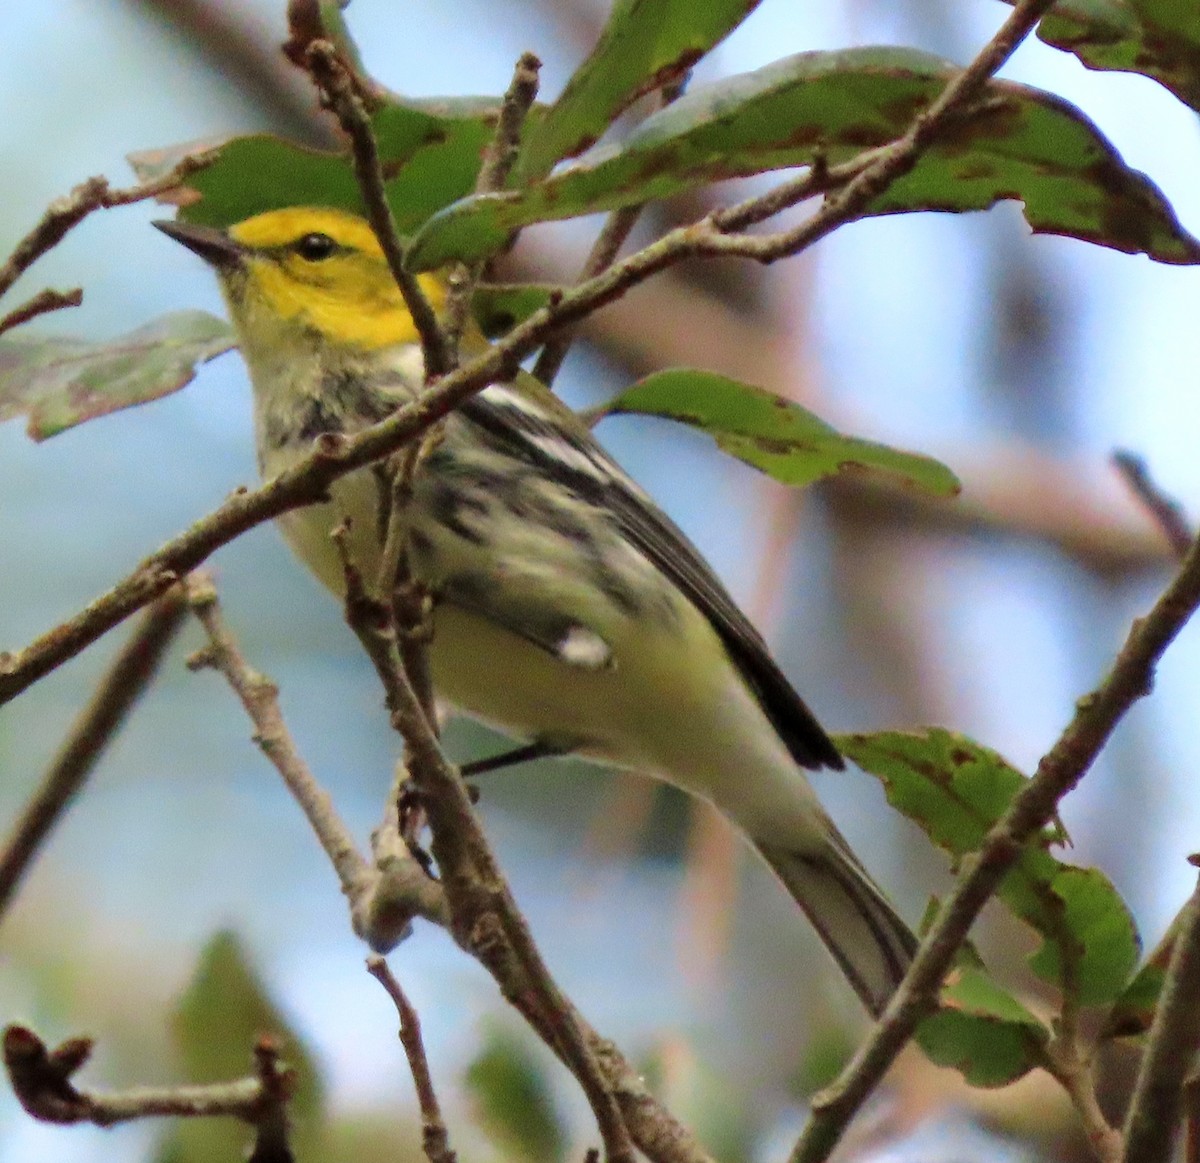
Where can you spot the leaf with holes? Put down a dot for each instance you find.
(956, 791)
(645, 44)
(1020, 143)
(430, 151)
(774, 435)
(1158, 38)
(60, 382)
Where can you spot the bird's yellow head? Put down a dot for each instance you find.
(308, 270)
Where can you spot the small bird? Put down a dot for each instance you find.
(569, 610)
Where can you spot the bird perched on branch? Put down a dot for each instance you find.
(569, 610)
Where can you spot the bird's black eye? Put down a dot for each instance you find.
(315, 247)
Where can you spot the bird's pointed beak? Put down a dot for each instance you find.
(213, 245)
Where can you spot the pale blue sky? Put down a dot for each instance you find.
(897, 310)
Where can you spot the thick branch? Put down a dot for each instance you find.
(127, 677)
(1062, 767)
(1170, 1058)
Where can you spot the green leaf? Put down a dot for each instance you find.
(982, 1031)
(951, 786)
(499, 307)
(697, 1092)
(645, 44)
(222, 1014)
(429, 149)
(59, 382)
(1094, 938)
(514, 1100)
(1158, 38)
(1021, 143)
(956, 791)
(1133, 1012)
(774, 435)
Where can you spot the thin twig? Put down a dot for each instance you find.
(656, 1132)
(435, 1140)
(1157, 1102)
(41, 304)
(65, 213)
(497, 164)
(484, 917)
(336, 81)
(410, 602)
(123, 683)
(1074, 1072)
(406, 599)
(393, 624)
(372, 620)
(1068, 1058)
(41, 1080)
(1096, 716)
(1165, 510)
(382, 899)
(616, 229)
(308, 480)
(891, 162)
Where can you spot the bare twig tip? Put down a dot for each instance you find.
(1165, 510)
(72, 1054)
(201, 591)
(203, 659)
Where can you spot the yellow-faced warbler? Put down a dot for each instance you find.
(568, 609)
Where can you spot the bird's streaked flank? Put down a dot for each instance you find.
(569, 610)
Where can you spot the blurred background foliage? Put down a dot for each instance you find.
(1020, 362)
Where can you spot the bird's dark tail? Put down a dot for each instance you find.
(858, 924)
